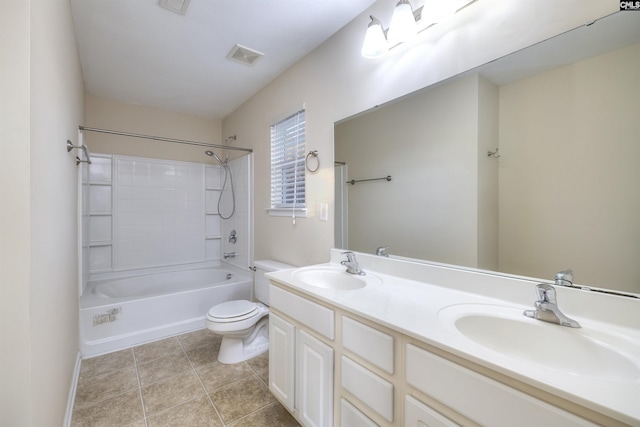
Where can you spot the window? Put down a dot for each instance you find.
(287, 166)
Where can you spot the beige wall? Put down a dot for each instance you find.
(335, 82)
(43, 93)
(105, 113)
(15, 242)
(569, 172)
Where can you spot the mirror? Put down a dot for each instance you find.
(528, 165)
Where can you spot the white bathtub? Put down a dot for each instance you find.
(122, 312)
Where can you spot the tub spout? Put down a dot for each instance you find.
(227, 255)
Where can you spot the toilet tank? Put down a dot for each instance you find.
(261, 283)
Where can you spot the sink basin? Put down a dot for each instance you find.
(587, 351)
(333, 277)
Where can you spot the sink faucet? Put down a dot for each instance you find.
(547, 308)
(382, 251)
(564, 278)
(352, 264)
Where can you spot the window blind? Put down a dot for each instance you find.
(287, 162)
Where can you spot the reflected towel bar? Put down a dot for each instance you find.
(353, 181)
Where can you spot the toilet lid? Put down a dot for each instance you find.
(233, 309)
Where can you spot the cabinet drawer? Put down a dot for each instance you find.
(315, 316)
(350, 416)
(417, 414)
(374, 391)
(479, 398)
(369, 343)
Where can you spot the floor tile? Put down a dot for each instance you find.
(171, 391)
(162, 368)
(198, 338)
(154, 350)
(204, 354)
(106, 363)
(121, 410)
(216, 374)
(195, 413)
(272, 415)
(105, 386)
(173, 382)
(241, 398)
(260, 365)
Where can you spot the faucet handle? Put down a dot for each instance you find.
(546, 293)
(350, 256)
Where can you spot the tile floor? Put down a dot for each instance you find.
(176, 382)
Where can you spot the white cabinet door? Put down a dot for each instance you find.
(314, 381)
(282, 360)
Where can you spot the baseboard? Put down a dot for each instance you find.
(72, 392)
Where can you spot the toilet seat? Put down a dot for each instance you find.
(233, 311)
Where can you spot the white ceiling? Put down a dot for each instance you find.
(138, 52)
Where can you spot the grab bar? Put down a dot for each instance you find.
(84, 148)
(353, 181)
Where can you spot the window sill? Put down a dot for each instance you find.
(288, 212)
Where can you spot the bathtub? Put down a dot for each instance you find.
(121, 312)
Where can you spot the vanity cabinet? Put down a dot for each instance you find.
(329, 366)
(301, 366)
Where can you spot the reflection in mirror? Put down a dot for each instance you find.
(563, 191)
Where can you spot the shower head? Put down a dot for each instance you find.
(229, 138)
(212, 154)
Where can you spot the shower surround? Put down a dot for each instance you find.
(149, 216)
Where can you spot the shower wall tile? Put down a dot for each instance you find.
(100, 170)
(100, 199)
(100, 228)
(212, 177)
(212, 201)
(212, 249)
(212, 226)
(100, 258)
(159, 213)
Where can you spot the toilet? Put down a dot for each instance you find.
(243, 324)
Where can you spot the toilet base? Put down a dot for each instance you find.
(236, 350)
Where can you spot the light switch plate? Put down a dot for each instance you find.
(324, 212)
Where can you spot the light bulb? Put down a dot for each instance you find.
(403, 24)
(375, 43)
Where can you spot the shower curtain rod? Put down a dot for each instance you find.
(159, 138)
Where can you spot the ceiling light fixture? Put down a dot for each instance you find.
(406, 24)
(375, 42)
(403, 26)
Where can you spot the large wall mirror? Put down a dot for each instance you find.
(528, 165)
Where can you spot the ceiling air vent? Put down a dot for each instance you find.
(244, 55)
(175, 6)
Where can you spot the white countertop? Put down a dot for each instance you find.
(414, 308)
